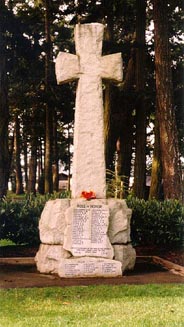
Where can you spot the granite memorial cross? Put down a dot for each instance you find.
(81, 238)
(89, 67)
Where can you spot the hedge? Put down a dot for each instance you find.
(157, 223)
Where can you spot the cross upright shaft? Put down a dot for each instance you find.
(90, 68)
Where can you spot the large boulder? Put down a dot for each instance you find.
(52, 221)
(126, 255)
(48, 258)
(119, 221)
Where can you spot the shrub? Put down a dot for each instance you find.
(19, 222)
(19, 219)
(156, 223)
(117, 185)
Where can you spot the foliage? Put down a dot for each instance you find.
(153, 222)
(19, 222)
(102, 305)
(156, 223)
(19, 219)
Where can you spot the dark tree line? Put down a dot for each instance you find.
(35, 113)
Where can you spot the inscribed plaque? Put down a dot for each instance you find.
(86, 231)
(89, 267)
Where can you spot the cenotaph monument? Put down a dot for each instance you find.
(87, 235)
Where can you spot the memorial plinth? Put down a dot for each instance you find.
(94, 242)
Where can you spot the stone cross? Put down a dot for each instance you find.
(89, 67)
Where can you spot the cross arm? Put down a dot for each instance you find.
(67, 67)
(111, 67)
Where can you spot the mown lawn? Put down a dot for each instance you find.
(104, 306)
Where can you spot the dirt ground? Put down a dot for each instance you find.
(18, 270)
(173, 255)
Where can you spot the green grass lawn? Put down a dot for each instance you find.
(5, 242)
(103, 306)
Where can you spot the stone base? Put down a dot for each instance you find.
(48, 258)
(89, 267)
(79, 238)
(126, 255)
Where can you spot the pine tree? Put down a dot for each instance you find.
(165, 109)
(4, 109)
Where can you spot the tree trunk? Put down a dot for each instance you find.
(40, 169)
(125, 142)
(25, 162)
(140, 152)
(108, 121)
(165, 109)
(124, 151)
(32, 169)
(109, 149)
(48, 187)
(4, 110)
(18, 170)
(55, 168)
(33, 158)
(156, 175)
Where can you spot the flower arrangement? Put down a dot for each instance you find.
(88, 195)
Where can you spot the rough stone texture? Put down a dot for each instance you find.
(110, 67)
(48, 258)
(52, 221)
(119, 221)
(52, 226)
(91, 67)
(86, 230)
(71, 64)
(89, 267)
(126, 255)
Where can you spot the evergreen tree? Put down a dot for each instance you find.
(4, 110)
(140, 152)
(165, 109)
(17, 149)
